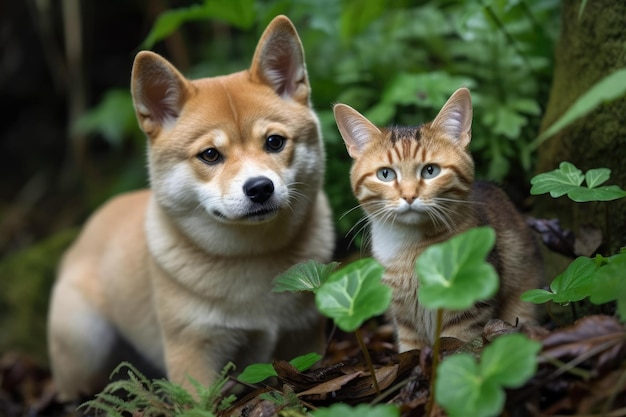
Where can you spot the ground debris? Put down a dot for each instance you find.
(581, 371)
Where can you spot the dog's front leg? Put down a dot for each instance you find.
(198, 355)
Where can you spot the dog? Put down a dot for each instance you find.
(181, 274)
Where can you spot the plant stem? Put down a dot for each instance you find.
(433, 376)
(368, 359)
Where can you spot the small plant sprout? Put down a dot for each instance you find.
(469, 388)
(349, 295)
(454, 275)
(599, 278)
(568, 180)
(260, 371)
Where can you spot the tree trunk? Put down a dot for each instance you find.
(590, 48)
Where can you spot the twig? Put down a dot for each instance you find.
(368, 359)
(436, 347)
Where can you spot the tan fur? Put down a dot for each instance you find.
(181, 274)
(409, 211)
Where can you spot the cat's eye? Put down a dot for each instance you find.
(386, 174)
(275, 143)
(210, 156)
(430, 171)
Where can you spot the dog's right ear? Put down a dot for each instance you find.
(159, 92)
(279, 61)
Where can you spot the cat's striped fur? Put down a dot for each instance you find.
(416, 186)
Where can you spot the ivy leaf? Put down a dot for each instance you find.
(467, 388)
(354, 294)
(557, 182)
(308, 276)
(455, 274)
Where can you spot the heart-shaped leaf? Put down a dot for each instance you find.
(467, 388)
(354, 294)
(597, 176)
(510, 361)
(455, 274)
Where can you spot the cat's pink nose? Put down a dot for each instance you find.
(410, 199)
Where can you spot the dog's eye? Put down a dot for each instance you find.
(210, 156)
(275, 143)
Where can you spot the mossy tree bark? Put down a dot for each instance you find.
(590, 47)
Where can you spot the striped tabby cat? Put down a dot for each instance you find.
(416, 186)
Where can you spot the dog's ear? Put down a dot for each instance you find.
(279, 61)
(159, 92)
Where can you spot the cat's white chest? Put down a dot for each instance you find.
(389, 240)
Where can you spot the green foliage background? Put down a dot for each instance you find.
(396, 62)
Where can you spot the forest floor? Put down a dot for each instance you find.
(581, 371)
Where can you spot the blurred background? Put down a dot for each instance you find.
(69, 139)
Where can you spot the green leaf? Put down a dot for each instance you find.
(455, 274)
(461, 390)
(361, 410)
(606, 193)
(610, 284)
(308, 276)
(256, 373)
(510, 360)
(596, 177)
(557, 182)
(304, 362)
(467, 388)
(113, 118)
(537, 296)
(354, 294)
(575, 282)
(239, 13)
(608, 89)
(568, 179)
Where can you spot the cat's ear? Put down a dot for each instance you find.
(355, 129)
(455, 117)
(279, 61)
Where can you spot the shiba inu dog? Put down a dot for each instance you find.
(181, 273)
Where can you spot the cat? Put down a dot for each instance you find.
(416, 186)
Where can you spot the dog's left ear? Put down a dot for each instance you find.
(279, 61)
(159, 92)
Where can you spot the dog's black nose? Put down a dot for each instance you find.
(259, 189)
